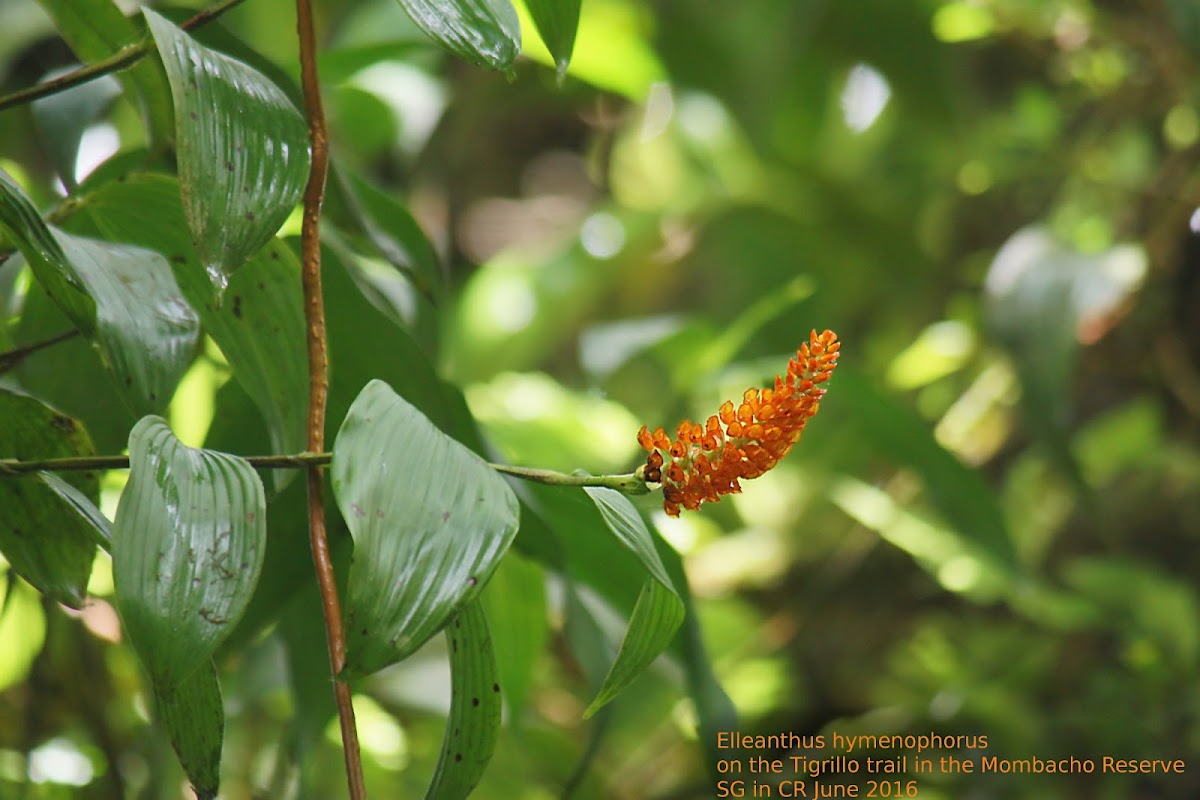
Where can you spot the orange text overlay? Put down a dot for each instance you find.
(791, 765)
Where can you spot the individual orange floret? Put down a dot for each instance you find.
(740, 441)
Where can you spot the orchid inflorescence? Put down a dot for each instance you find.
(743, 441)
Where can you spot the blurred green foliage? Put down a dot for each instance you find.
(993, 525)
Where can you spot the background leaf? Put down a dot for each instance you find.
(260, 330)
(96, 29)
(124, 298)
(188, 545)
(484, 32)
(515, 604)
(430, 521)
(242, 147)
(43, 538)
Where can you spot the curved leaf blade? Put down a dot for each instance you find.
(430, 521)
(242, 147)
(655, 619)
(44, 539)
(123, 298)
(659, 610)
(260, 330)
(473, 726)
(192, 713)
(484, 32)
(556, 21)
(187, 549)
(145, 328)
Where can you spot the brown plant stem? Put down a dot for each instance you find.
(318, 391)
(126, 56)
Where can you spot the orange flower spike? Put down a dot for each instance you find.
(741, 441)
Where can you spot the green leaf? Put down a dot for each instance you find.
(473, 726)
(394, 233)
(515, 603)
(484, 32)
(242, 147)
(121, 297)
(430, 521)
(96, 29)
(187, 549)
(43, 538)
(658, 612)
(351, 320)
(99, 526)
(71, 376)
(1041, 293)
(655, 619)
(957, 491)
(192, 713)
(259, 328)
(627, 525)
(557, 21)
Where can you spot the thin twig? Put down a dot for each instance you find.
(13, 358)
(126, 56)
(628, 482)
(318, 390)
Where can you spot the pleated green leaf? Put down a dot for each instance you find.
(658, 612)
(484, 32)
(187, 549)
(473, 726)
(192, 713)
(242, 150)
(95, 29)
(556, 21)
(123, 298)
(430, 521)
(43, 538)
(260, 325)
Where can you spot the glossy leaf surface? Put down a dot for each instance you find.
(242, 148)
(557, 21)
(430, 521)
(473, 725)
(484, 32)
(42, 537)
(259, 325)
(123, 298)
(187, 549)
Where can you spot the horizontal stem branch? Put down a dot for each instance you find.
(629, 483)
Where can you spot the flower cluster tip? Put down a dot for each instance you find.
(739, 442)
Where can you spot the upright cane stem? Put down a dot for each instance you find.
(318, 390)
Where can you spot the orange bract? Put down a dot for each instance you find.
(743, 440)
